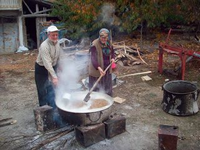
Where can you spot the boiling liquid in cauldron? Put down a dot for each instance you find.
(98, 103)
(79, 104)
(94, 103)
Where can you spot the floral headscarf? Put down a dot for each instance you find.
(104, 32)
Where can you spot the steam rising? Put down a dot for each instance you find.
(107, 13)
(73, 68)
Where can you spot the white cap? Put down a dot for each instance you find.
(52, 28)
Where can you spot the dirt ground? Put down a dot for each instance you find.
(142, 107)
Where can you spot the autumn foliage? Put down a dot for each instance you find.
(84, 17)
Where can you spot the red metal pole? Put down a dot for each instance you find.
(183, 65)
(167, 41)
(160, 61)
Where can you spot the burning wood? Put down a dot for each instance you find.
(53, 138)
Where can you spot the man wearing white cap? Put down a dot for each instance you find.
(45, 67)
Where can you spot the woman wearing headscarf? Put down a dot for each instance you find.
(102, 54)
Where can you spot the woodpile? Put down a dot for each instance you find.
(129, 55)
(53, 138)
(125, 51)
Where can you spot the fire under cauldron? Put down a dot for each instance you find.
(180, 98)
(75, 111)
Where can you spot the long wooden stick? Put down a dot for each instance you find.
(52, 139)
(141, 57)
(8, 123)
(87, 97)
(6, 119)
(134, 74)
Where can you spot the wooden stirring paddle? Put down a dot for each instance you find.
(87, 97)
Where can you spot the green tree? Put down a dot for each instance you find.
(84, 17)
(191, 12)
(78, 15)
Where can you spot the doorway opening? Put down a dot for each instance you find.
(31, 33)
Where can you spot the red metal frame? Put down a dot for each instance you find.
(179, 51)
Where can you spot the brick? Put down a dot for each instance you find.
(167, 137)
(88, 135)
(115, 125)
(44, 118)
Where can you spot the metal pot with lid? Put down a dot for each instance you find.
(74, 110)
(180, 98)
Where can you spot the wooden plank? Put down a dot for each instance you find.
(119, 100)
(135, 74)
(146, 78)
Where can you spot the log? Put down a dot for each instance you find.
(136, 63)
(122, 46)
(127, 62)
(6, 119)
(129, 56)
(9, 123)
(141, 57)
(120, 42)
(125, 48)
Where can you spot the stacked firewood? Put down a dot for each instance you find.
(128, 55)
(126, 52)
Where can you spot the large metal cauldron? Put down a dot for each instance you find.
(180, 98)
(75, 111)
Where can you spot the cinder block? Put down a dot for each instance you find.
(44, 118)
(88, 135)
(115, 125)
(168, 137)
